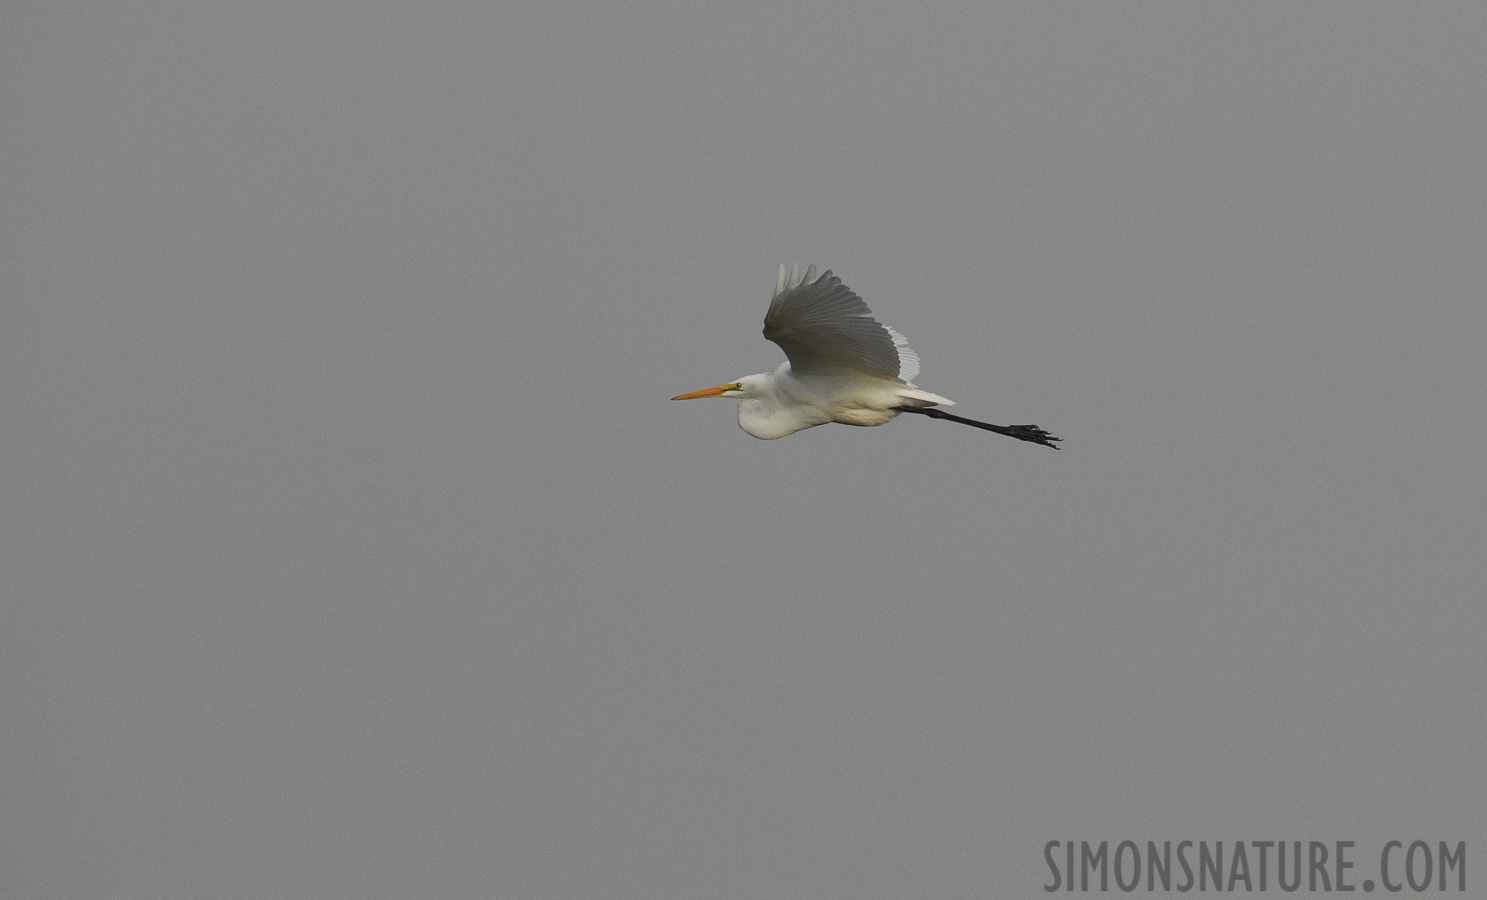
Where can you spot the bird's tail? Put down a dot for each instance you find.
(924, 398)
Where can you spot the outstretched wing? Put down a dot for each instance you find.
(823, 327)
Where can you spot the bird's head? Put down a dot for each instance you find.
(742, 389)
(723, 390)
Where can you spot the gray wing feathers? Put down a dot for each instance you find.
(822, 326)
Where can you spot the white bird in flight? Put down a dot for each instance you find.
(842, 366)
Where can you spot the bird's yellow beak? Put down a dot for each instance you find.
(710, 392)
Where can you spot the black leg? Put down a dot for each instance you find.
(1031, 433)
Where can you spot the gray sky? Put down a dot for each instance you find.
(352, 547)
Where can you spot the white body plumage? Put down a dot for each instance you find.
(774, 404)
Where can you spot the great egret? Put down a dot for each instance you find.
(843, 366)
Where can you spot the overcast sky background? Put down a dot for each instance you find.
(352, 547)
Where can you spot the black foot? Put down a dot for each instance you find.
(1032, 433)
